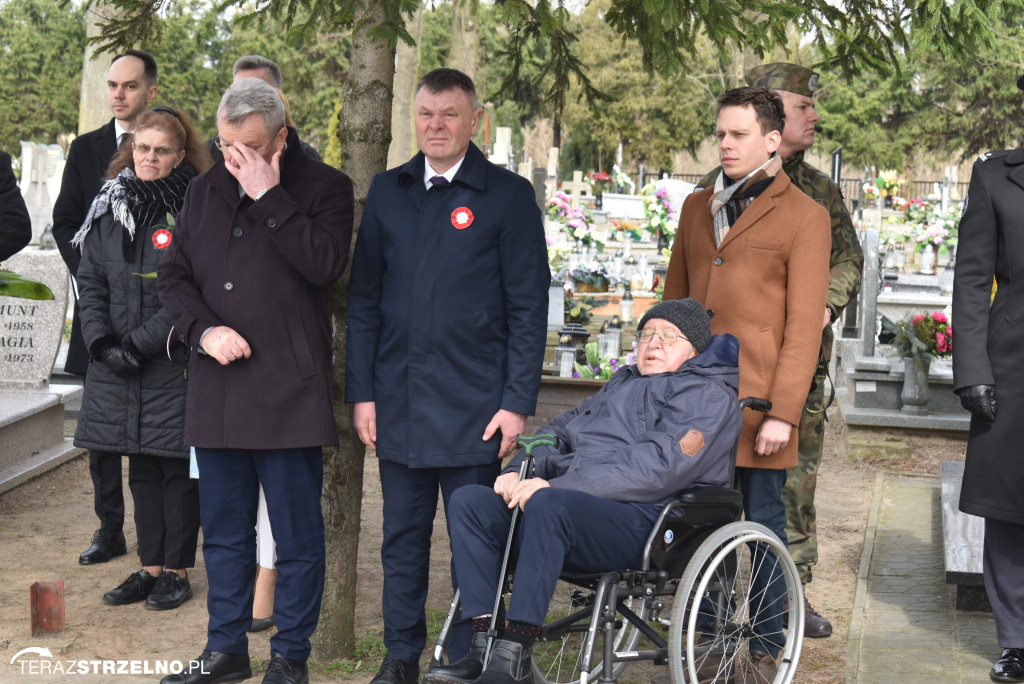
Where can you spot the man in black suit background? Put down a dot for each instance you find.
(131, 87)
(15, 225)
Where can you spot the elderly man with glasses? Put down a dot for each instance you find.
(663, 424)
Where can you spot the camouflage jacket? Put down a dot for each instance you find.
(847, 259)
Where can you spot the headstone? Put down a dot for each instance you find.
(553, 162)
(31, 330)
(869, 293)
(540, 189)
(42, 169)
(576, 188)
(524, 169)
(502, 151)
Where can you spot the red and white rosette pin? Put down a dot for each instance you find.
(462, 218)
(162, 239)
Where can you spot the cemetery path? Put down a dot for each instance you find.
(47, 522)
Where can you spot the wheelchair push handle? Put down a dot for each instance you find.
(755, 403)
(531, 443)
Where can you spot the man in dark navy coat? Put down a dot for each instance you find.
(262, 237)
(987, 366)
(131, 87)
(446, 333)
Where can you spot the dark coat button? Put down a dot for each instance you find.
(229, 286)
(237, 232)
(271, 222)
(719, 261)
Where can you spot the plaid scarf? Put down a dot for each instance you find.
(137, 203)
(727, 203)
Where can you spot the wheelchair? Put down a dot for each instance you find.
(694, 599)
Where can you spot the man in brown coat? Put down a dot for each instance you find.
(754, 249)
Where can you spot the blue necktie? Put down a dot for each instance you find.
(438, 182)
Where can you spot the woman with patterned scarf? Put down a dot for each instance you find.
(134, 402)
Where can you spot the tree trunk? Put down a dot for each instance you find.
(94, 111)
(364, 131)
(407, 65)
(464, 51)
(556, 131)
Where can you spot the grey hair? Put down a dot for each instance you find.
(253, 62)
(252, 96)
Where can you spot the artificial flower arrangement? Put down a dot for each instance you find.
(659, 212)
(597, 367)
(600, 180)
(558, 258)
(577, 309)
(592, 275)
(871, 191)
(622, 183)
(921, 335)
(628, 228)
(894, 232)
(576, 220)
(888, 183)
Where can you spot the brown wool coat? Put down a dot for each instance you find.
(767, 284)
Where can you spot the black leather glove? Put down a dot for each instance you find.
(980, 400)
(122, 361)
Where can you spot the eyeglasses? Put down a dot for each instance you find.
(666, 336)
(160, 151)
(224, 147)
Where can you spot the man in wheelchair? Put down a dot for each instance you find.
(667, 423)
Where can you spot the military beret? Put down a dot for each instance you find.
(784, 76)
(1020, 82)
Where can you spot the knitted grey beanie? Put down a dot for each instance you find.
(686, 314)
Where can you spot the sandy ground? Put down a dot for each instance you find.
(46, 523)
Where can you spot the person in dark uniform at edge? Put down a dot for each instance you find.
(131, 87)
(988, 368)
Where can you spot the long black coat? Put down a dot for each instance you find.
(264, 269)
(15, 225)
(86, 167)
(447, 310)
(988, 342)
(145, 413)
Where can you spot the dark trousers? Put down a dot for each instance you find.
(108, 494)
(410, 502)
(762, 503)
(1003, 569)
(561, 529)
(229, 481)
(166, 510)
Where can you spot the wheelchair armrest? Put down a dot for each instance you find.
(711, 495)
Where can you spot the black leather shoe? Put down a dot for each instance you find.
(261, 624)
(1009, 667)
(280, 670)
(509, 664)
(212, 667)
(105, 545)
(136, 588)
(170, 592)
(396, 672)
(465, 670)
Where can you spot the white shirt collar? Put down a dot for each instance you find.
(429, 173)
(119, 130)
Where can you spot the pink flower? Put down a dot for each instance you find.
(940, 343)
(940, 317)
(949, 331)
(918, 318)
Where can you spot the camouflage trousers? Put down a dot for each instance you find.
(802, 480)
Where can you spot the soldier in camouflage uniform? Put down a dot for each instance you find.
(796, 85)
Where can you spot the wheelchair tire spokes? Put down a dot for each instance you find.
(726, 607)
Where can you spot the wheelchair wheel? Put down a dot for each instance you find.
(559, 652)
(718, 603)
